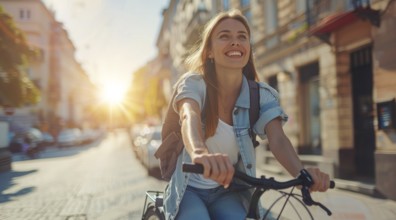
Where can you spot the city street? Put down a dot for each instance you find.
(100, 181)
(105, 181)
(68, 87)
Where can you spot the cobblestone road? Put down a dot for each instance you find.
(101, 181)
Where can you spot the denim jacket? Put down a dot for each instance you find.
(193, 86)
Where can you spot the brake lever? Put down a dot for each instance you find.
(307, 199)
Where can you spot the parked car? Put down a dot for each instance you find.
(147, 155)
(48, 139)
(69, 137)
(140, 139)
(31, 135)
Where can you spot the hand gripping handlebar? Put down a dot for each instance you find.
(303, 180)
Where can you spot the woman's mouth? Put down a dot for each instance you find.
(234, 53)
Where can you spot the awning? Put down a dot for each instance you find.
(333, 22)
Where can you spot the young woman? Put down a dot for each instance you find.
(213, 103)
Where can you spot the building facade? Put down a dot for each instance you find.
(331, 62)
(59, 77)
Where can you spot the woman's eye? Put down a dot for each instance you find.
(242, 37)
(224, 36)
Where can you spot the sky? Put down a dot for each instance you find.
(113, 38)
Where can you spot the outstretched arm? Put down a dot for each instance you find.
(216, 166)
(190, 117)
(284, 152)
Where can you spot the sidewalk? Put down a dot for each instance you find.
(350, 200)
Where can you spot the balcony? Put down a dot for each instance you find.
(322, 24)
(319, 19)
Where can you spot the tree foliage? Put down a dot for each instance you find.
(16, 89)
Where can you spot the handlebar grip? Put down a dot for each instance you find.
(193, 168)
(332, 184)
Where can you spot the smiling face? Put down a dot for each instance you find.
(230, 45)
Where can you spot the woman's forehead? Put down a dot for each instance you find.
(230, 24)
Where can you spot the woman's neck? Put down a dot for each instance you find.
(229, 83)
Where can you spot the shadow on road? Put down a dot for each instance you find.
(7, 180)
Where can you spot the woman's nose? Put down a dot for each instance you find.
(234, 43)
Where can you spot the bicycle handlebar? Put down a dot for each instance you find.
(267, 183)
(258, 182)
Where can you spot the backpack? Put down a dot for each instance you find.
(172, 142)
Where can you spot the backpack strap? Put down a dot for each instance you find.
(254, 108)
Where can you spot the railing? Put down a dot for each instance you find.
(318, 9)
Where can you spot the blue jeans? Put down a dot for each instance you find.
(211, 204)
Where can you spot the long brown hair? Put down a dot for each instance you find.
(199, 62)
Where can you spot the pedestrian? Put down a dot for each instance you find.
(212, 101)
(26, 145)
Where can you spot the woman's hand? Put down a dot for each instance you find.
(321, 180)
(217, 167)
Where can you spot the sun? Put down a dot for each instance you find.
(113, 94)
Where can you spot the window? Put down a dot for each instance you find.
(24, 14)
(353, 4)
(245, 3)
(271, 15)
(248, 15)
(21, 14)
(300, 6)
(310, 109)
(226, 5)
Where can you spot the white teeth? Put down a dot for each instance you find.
(234, 53)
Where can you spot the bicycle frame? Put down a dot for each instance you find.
(154, 196)
(253, 212)
(260, 186)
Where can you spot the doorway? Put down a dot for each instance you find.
(310, 106)
(363, 112)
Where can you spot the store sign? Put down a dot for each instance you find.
(386, 113)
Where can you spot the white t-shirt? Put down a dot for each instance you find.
(223, 141)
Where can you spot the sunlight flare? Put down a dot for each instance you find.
(113, 93)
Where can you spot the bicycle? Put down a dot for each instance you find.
(260, 186)
(153, 210)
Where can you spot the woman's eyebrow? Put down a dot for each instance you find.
(228, 31)
(223, 31)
